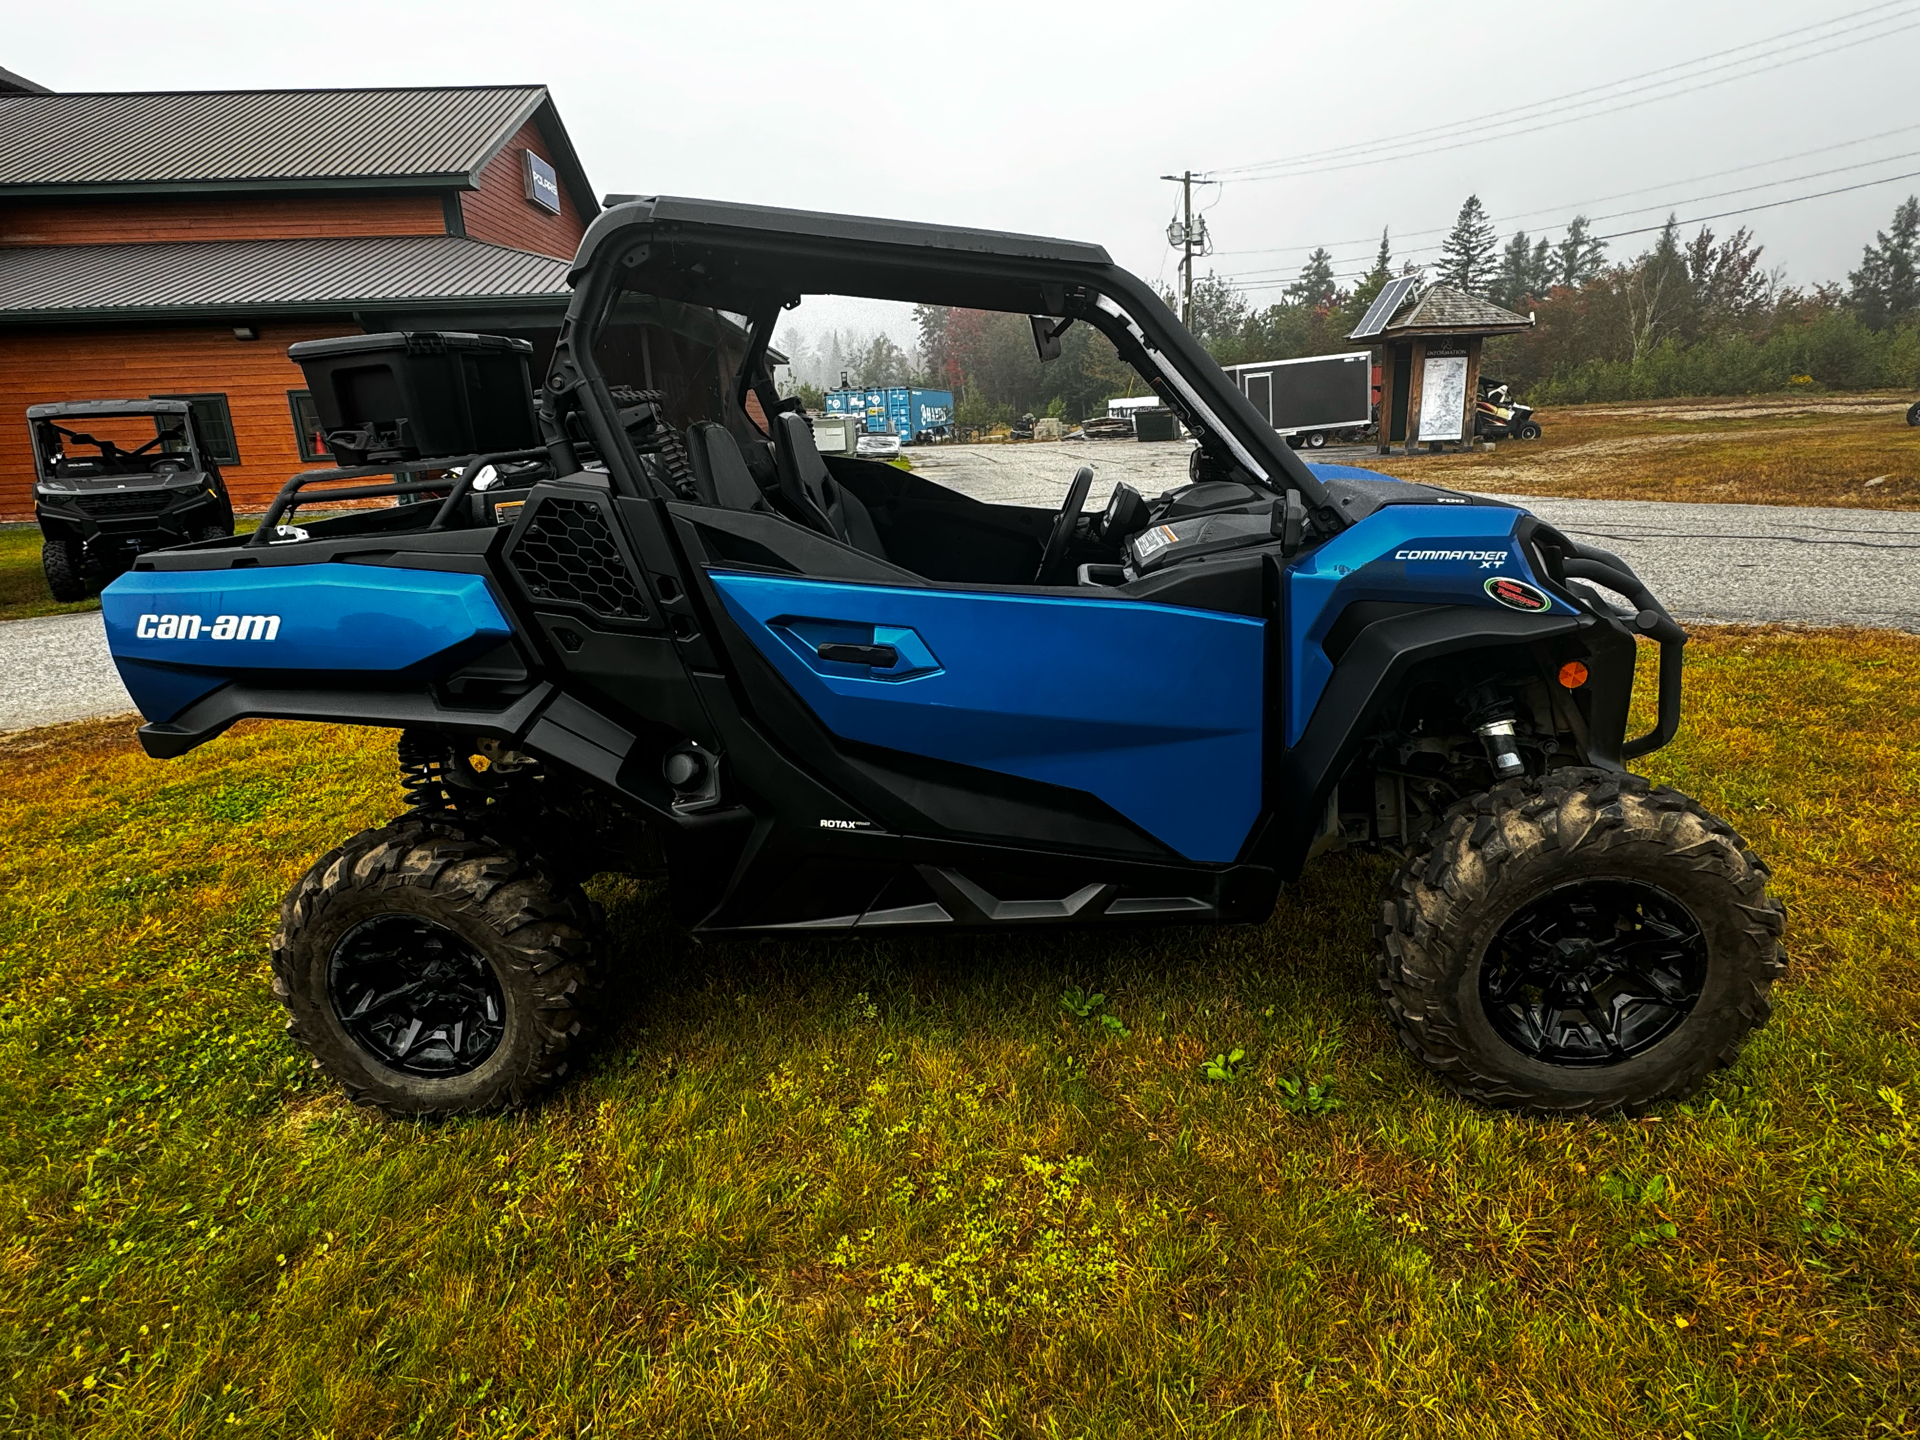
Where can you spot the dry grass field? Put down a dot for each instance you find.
(902, 1189)
(1851, 450)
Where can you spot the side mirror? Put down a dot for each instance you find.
(1046, 335)
(1289, 522)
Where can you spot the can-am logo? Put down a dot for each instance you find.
(1489, 559)
(195, 627)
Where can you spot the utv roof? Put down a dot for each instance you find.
(719, 219)
(53, 410)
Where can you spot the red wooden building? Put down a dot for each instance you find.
(174, 244)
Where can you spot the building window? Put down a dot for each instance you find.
(306, 425)
(212, 426)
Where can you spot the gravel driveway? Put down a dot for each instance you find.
(1809, 566)
(57, 668)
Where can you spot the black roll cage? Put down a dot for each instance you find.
(753, 260)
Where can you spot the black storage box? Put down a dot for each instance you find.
(1155, 424)
(409, 395)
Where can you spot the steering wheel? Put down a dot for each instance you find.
(1063, 524)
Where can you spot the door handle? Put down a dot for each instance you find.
(881, 657)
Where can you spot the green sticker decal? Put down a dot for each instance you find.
(1518, 595)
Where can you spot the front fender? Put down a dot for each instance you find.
(1370, 671)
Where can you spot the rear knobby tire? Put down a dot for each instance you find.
(66, 574)
(527, 941)
(1499, 857)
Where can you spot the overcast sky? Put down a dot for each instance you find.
(1058, 118)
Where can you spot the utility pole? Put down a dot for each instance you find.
(1184, 235)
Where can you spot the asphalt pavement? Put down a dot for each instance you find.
(1758, 563)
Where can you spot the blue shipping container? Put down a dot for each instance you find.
(899, 410)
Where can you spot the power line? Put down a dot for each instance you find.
(1769, 205)
(1649, 229)
(1579, 206)
(1498, 116)
(1609, 94)
(1642, 209)
(1534, 128)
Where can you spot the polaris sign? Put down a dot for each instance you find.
(543, 182)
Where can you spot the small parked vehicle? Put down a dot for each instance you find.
(832, 697)
(1498, 416)
(881, 445)
(114, 479)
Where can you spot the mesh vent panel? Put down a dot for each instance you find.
(567, 553)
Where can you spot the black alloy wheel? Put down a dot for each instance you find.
(1593, 972)
(433, 969)
(416, 997)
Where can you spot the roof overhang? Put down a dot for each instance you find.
(452, 180)
(252, 280)
(1443, 332)
(546, 302)
(55, 409)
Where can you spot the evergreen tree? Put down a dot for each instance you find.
(1886, 287)
(1220, 315)
(1526, 271)
(1316, 283)
(1579, 257)
(1467, 257)
(1375, 280)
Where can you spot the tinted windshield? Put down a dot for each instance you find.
(74, 447)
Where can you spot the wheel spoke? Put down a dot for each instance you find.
(415, 997)
(1616, 965)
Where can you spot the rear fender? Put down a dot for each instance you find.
(180, 636)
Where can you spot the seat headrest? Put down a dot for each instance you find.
(720, 469)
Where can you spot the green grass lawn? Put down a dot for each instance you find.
(23, 584)
(899, 1188)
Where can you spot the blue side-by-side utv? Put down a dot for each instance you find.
(633, 619)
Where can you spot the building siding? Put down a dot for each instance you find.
(116, 364)
(499, 210)
(218, 217)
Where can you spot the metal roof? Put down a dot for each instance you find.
(220, 138)
(262, 277)
(10, 82)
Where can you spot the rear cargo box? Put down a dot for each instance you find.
(407, 395)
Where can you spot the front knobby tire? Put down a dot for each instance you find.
(1578, 943)
(432, 971)
(66, 572)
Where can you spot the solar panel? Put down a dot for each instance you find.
(1384, 304)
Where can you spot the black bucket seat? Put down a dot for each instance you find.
(812, 493)
(720, 472)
